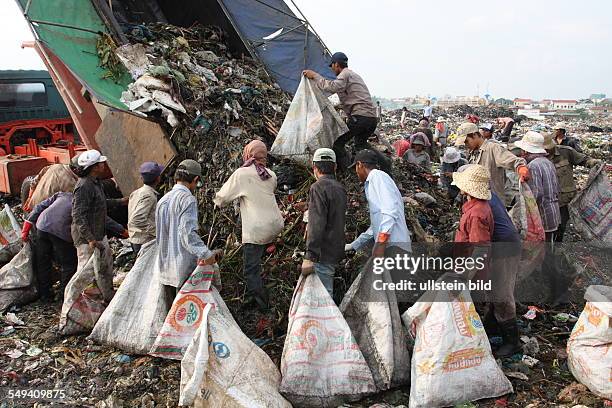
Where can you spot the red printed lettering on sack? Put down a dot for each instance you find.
(462, 359)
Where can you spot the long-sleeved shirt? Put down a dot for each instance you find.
(141, 215)
(326, 219)
(352, 91)
(565, 158)
(504, 230)
(386, 212)
(496, 158)
(545, 187)
(476, 225)
(261, 219)
(54, 216)
(89, 206)
(179, 245)
(420, 159)
(441, 135)
(570, 142)
(427, 110)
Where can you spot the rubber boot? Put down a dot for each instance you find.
(490, 324)
(510, 335)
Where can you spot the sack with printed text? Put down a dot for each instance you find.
(321, 365)
(591, 209)
(185, 315)
(526, 218)
(223, 368)
(589, 348)
(310, 123)
(452, 360)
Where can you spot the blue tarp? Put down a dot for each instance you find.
(286, 56)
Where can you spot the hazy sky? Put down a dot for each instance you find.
(535, 48)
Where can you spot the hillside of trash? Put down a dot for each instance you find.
(212, 105)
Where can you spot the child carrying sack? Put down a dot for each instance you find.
(223, 368)
(137, 312)
(83, 299)
(321, 365)
(374, 319)
(186, 314)
(451, 360)
(589, 348)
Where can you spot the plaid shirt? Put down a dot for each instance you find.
(545, 187)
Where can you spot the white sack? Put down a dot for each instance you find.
(18, 273)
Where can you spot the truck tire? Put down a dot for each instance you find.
(25, 189)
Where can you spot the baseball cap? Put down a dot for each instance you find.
(487, 126)
(191, 166)
(89, 158)
(365, 156)
(465, 129)
(324, 154)
(338, 57)
(150, 170)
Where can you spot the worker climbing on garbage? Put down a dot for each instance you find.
(416, 154)
(141, 209)
(89, 215)
(176, 223)
(493, 156)
(387, 218)
(326, 220)
(545, 187)
(254, 185)
(427, 110)
(561, 138)
(565, 158)
(356, 102)
(451, 162)
(53, 220)
(505, 126)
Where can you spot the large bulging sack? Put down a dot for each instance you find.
(311, 122)
(452, 360)
(526, 218)
(186, 314)
(10, 234)
(321, 365)
(53, 179)
(591, 209)
(223, 368)
(137, 312)
(589, 347)
(374, 319)
(18, 273)
(83, 300)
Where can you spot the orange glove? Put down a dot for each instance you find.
(25, 230)
(125, 234)
(523, 173)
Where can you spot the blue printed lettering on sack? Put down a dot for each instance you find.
(221, 350)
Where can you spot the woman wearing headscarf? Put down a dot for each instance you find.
(253, 185)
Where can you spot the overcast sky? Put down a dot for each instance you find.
(536, 48)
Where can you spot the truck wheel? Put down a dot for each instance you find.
(25, 189)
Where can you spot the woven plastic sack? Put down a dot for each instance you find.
(310, 123)
(374, 319)
(137, 312)
(223, 368)
(591, 209)
(186, 314)
(52, 179)
(452, 360)
(10, 231)
(18, 273)
(525, 216)
(321, 365)
(589, 347)
(83, 300)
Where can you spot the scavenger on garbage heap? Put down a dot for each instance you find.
(505, 128)
(416, 154)
(451, 162)
(427, 110)
(545, 188)
(254, 185)
(565, 158)
(430, 145)
(141, 209)
(562, 139)
(356, 102)
(89, 212)
(176, 221)
(387, 216)
(491, 155)
(440, 133)
(486, 130)
(326, 220)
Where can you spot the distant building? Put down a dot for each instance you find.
(503, 102)
(521, 103)
(601, 110)
(566, 104)
(461, 100)
(597, 97)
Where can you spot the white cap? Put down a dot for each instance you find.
(90, 157)
(440, 119)
(532, 142)
(451, 155)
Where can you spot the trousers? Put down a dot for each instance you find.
(326, 274)
(360, 129)
(565, 216)
(49, 248)
(252, 254)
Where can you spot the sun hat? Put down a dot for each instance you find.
(465, 129)
(549, 142)
(532, 142)
(559, 126)
(451, 155)
(440, 119)
(474, 180)
(89, 158)
(324, 154)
